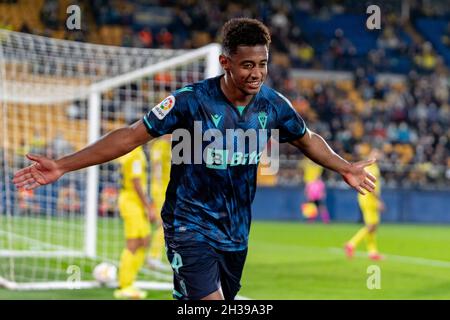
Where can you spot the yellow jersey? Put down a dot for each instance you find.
(371, 199)
(311, 170)
(134, 165)
(160, 161)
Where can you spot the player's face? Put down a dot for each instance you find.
(247, 68)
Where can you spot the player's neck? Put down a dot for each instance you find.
(233, 94)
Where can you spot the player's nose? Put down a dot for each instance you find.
(256, 74)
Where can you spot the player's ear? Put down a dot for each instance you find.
(224, 62)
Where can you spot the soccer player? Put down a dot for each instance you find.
(207, 212)
(315, 190)
(160, 159)
(370, 205)
(136, 210)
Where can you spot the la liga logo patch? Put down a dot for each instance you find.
(164, 107)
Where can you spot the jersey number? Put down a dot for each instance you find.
(177, 263)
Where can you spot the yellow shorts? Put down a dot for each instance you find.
(370, 214)
(136, 224)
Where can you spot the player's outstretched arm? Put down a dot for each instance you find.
(315, 148)
(111, 146)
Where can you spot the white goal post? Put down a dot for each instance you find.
(211, 52)
(55, 97)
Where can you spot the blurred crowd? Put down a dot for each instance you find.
(408, 120)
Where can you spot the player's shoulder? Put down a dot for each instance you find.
(275, 98)
(189, 94)
(179, 96)
(206, 88)
(374, 169)
(134, 154)
(137, 151)
(160, 144)
(184, 92)
(191, 90)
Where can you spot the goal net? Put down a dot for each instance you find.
(55, 97)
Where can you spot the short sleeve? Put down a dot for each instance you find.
(291, 125)
(136, 168)
(168, 115)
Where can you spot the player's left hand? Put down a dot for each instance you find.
(381, 206)
(358, 178)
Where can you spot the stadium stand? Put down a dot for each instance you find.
(408, 119)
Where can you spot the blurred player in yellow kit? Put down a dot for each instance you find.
(136, 210)
(371, 205)
(160, 161)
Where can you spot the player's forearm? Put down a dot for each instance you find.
(314, 147)
(142, 196)
(107, 148)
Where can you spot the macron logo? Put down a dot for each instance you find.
(216, 119)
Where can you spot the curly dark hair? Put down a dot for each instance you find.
(243, 32)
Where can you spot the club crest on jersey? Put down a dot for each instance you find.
(163, 108)
(262, 118)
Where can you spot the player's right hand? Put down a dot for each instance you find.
(43, 171)
(151, 213)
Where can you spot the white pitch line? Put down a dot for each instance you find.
(403, 259)
(38, 243)
(50, 246)
(157, 274)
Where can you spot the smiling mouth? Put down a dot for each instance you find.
(254, 84)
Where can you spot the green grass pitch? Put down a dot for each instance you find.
(306, 261)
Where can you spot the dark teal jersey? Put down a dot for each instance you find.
(213, 175)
